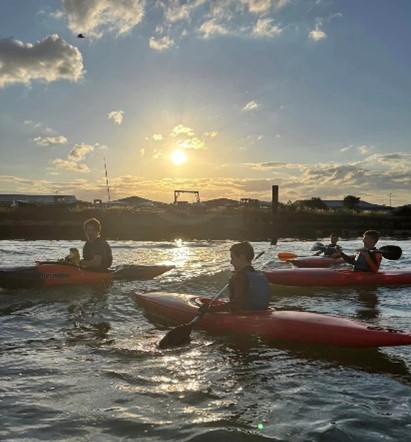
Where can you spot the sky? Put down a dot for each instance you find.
(224, 97)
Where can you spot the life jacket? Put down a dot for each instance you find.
(330, 250)
(258, 292)
(360, 263)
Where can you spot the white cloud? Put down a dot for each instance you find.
(191, 143)
(96, 17)
(116, 116)
(364, 149)
(257, 6)
(182, 130)
(161, 43)
(317, 33)
(80, 151)
(49, 141)
(49, 60)
(265, 28)
(75, 158)
(252, 105)
(211, 28)
(59, 163)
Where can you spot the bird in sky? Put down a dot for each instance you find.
(81, 36)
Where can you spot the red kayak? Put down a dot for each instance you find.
(335, 277)
(315, 262)
(56, 274)
(272, 326)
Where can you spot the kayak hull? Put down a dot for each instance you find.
(310, 277)
(51, 274)
(315, 262)
(271, 326)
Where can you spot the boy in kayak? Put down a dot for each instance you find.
(332, 250)
(248, 288)
(96, 251)
(368, 259)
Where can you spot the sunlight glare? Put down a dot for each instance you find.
(178, 157)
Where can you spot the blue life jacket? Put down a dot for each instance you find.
(258, 293)
(361, 265)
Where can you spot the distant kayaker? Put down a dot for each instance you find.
(332, 250)
(96, 251)
(248, 288)
(367, 259)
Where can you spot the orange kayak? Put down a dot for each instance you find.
(49, 274)
(338, 277)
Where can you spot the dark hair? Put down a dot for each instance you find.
(373, 233)
(94, 223)
(243, 248)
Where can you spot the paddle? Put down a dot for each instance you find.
(285, 256)
(181, 335)
(390, 252)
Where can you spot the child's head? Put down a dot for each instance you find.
(242, 254)
(333, 238)
(370, 238)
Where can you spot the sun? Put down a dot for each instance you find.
(178, 157)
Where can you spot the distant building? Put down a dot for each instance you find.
(47, 200)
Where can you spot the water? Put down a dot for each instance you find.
(82, 363)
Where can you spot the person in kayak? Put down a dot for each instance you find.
(96, 251)
(368, 259)
(332, 250)
(248, 288)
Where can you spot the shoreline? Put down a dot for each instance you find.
(191, 224)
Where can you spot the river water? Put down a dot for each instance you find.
(82, 364)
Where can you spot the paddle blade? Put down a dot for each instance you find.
(177, 337)
(285, 256)
(390, 252)
(316, 247)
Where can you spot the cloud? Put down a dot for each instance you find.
(161, 43)
(191, 143)
(80, 151)
(116, 116)
(252, 105)
(257, 6)
(32, 124)
(74, 158)
(364, 149)
(317, 33)
(49, 60)
(265, 28)
(49, 141)
(182, 130)
(59, 163)
(96, 17)
(211, 28)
